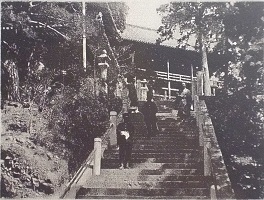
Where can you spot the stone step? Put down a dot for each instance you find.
(109, 165)
(157, 160)
(165, 135)
(165, 124)
(136, 172)
(138, 123)
(143, 149)
(167, 127)
(164, 110)
(85, 192)
(143, 128)
(171, 118)
(140, 197)
(172, 177)
(184, 156)
(158, 154)
(126, 183)
(168, 134)
(162, 139)
(168, 142)
(173, 145)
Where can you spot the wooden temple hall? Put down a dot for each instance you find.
(172, 65)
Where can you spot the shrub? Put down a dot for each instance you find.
(115, 104)
(79, 117)
(238, 122)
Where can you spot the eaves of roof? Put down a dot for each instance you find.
(148, 36)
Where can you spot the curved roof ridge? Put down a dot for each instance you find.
(145, 28)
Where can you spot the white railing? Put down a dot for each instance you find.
(174, 77)
(171, 77)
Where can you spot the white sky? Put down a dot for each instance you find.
(143, 13)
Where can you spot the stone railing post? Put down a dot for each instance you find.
(195, 101)
(97, 156)
(194, 88)
(201, 114)
(125, 100)
(208, 129)
(200, 85)
(214, 164)
(113, 121)
(207, 161)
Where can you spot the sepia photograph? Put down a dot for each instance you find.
(132, 99)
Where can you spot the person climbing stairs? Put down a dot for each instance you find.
(166, 166)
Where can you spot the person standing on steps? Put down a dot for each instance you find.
(149, 111)
(185, 104)
(125, 132)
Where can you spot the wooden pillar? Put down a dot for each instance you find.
(194, 84)
(196, 109)
(97, 156)
(168, 77)
(113, 118)
(165, 94)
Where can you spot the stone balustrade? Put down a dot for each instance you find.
(214, 165)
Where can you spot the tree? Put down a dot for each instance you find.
(107, 19)
(204, 20)
(244, 30)
(25, 45)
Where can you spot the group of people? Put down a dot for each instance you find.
(125, 130)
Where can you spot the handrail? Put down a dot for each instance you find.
(90, 159)
(186, 81)
(213, 160)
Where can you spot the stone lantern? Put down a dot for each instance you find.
(103, 64)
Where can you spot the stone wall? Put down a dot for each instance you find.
(213, 159)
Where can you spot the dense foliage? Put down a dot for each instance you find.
(46, 63)
(238, 122)
(235, 34)
(244, 52)
(202, 22)
(78, 117)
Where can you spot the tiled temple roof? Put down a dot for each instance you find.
(148, 35)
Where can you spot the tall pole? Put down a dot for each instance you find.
(207, 86)
(84, 36)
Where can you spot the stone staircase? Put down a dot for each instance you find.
(165, 166)
(164, 106)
